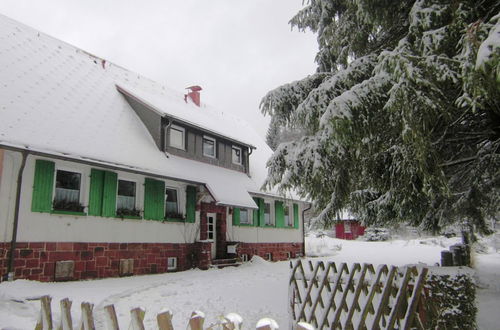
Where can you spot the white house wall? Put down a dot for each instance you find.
(46, 227)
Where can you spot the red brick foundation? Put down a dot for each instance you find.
(278, 250)
(36, 260)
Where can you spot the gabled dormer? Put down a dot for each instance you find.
(177, 135)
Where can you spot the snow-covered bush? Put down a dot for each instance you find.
(376, 234)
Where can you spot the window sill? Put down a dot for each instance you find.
(269, 226)
(68, 212)
(174, 220)
(128, 217)
(245, 225)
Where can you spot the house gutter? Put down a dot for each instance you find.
(304, 231)
(10, 265)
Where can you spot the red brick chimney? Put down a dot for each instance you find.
(194, 94)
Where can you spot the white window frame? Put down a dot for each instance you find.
(174, 267)
(290, 222)
(178, 198)
(241, 155)
(205, 137)
(244, 257)
(249, 217)
(68, 169)
(269, 256)
(136, 190)
(183, 131)
(272, 219)
(289, 255)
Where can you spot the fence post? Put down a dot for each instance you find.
(45, 319)
(137, 315)
(110, 316)
(66, 321)
(164, 320)
(304, 326)
(266, 324)
(232, 321)
(87, 317)
(446, 258)
(197, 320)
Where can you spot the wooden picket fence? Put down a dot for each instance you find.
(357, 297)
(231, 321)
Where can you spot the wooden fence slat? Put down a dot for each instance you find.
(87, 322)
(266, 324)
(355, 304)
(342, 304)
(45, 318)
(368, 303)
(110, 317)
(399, 297)
(324, 282)
(197, 320)
(307, 297)
(385, 297)
(414, 299)
(164, 320)
(137, 318)
(336, 288)
(66, 321)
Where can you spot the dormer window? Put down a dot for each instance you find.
(176, 137)
(209, 148)
(236, 155)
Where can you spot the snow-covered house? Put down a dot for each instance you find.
(104, 172)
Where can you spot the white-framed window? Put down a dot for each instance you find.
(172, 263)
(246, 216)
(209, 146)
(176, 137)
(244, 257)
(171, 202)
(287, 214)
(67, 192)
(269, 256)
(289, 255)
(126, 196)
(236, 155)
(268, 216)
(347, 227)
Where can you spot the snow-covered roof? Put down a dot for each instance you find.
(60, 100)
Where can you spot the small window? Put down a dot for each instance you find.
(209, 147)
(176, 137)
(245, 217)
(288, 218)
(267, 214)
(125, 201)
(269, 256)
(244, 257)
(67, 194)
(172, 263)
(347, 227)
(171, 203)
(289, 255)
(236, 155)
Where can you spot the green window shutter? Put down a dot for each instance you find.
(236, 216)
(154, 199)
(109, 194)
(43, 186)
(190, 203)
(296, 216)
(96, 192)
(279, 215)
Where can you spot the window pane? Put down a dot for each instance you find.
(171, 201)
(267, 213)
(286, 211)
(67, 186)
(236, 155)
(176, 138)
(126, 188)
(208, 147)
(244, 216)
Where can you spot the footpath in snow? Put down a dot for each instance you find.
(254, 290)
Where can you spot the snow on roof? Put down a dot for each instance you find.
(61, 100)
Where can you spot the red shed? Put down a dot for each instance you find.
(348, 229)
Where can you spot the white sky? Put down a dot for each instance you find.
(236, 50)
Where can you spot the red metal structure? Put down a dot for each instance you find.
(349, 229)
(194, 94)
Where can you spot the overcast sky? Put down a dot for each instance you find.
(236, 50)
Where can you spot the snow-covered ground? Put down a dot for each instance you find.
(254, 290)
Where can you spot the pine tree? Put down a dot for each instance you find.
(401, 121)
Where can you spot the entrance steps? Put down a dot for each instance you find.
(221, 263)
